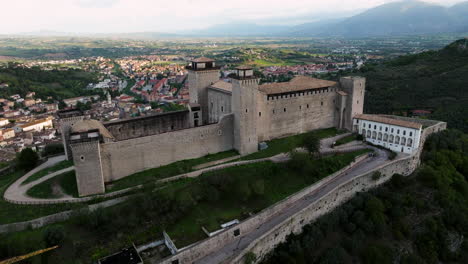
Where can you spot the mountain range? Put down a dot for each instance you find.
(397, 18)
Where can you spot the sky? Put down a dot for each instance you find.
(117, 16)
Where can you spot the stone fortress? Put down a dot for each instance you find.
(221, 116)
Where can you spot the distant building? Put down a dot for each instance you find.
(7, 133)
(37, 125)
(4, 122)
(29, 102)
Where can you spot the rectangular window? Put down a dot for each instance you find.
(236, 232)
(259, 113)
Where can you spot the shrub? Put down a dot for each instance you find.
(258, 187)
(53, 235)
(53, 149)
(250, 258)
(376, 175)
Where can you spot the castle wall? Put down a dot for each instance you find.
(339, 195)
(219, 104)
(295, 113)
(148, 125)
(123, 158)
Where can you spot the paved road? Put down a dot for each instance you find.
(229, 251)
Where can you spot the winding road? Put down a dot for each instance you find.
(230, 250)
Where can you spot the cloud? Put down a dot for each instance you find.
(101, 16)
(96, 3)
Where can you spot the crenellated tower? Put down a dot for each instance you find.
(202, 72)
(244, 107)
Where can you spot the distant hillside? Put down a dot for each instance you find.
(399, 18)
(435, 80)
(57, 84)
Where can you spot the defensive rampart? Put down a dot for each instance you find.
(123, 158)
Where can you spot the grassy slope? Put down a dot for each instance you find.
(432, 80)
(277, 180)
(282, 145)
(66, 181)
(59, 166)
(166, 171)
(10, 213)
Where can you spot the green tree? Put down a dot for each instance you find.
(312, 143)
(27, 159)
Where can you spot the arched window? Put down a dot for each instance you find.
(385, 137)
(410, 142)
(397, 140)
(368, 133)
(380, 136)
(374, 135)
(403, 141)
(391, 139)
(363, 132)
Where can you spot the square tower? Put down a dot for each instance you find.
(202, 72)
(244, 107)
(355, 88)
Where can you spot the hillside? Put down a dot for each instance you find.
(59, 84)
(393, 19)
(435, 81)
(418, 219)
(398, 18)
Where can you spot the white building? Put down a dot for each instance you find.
(394, 134)
(4, 122)
(37, 125)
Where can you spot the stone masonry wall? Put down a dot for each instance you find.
(123, 158)
(148, 125)
(286, 115)
(219, 104)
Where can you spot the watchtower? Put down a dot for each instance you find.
(67, 119)
(244, 107)
(355, 88)
(202, 72)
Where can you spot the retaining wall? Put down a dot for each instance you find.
(58, 217)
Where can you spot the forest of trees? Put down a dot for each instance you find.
(59, 84)
(433, 80)
(422, 218)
